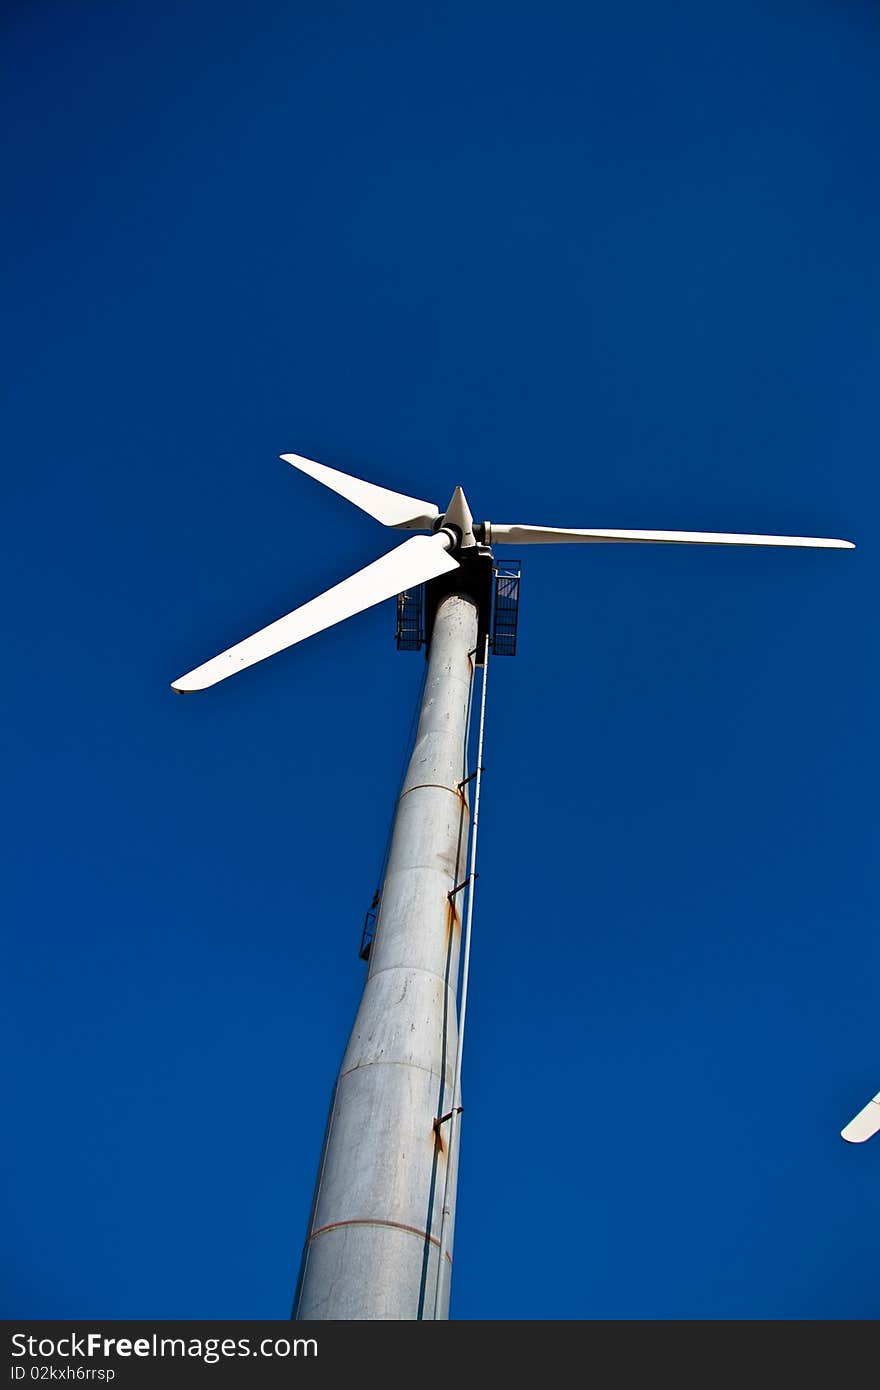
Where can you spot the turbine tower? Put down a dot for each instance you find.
(380, 1234)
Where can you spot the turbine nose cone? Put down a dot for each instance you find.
(458, 513)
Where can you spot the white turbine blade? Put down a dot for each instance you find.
(866, 1123)
(548, 535)
(416, 561)
(391, 508)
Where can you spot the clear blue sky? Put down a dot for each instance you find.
(602, 265)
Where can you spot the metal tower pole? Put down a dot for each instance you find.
(447, 1218)
(373, 1245)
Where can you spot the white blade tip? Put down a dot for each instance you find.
(864, 1125)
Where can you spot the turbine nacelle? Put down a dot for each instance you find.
(422, 558)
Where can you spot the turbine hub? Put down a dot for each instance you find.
(458, 514)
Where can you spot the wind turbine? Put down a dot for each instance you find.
(379, 1241)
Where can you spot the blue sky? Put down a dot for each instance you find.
(604, 266)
